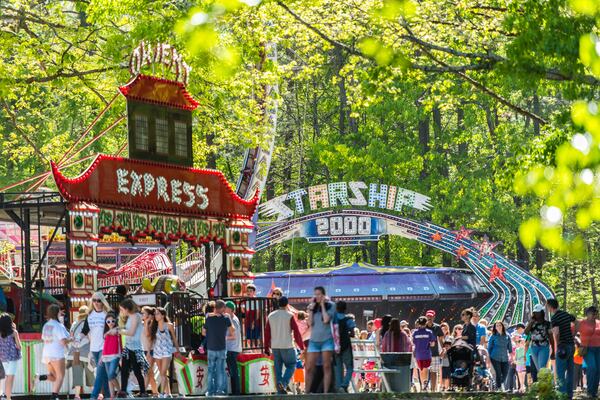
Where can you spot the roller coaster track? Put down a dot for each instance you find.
(513, 296)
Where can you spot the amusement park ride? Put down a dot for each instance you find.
(145, 204)
(153, 199)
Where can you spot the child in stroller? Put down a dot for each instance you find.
(460, 356)
(482, 379)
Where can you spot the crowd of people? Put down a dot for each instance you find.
(499, 358)
(312, 349)
(112, 344)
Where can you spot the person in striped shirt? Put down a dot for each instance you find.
(564, 341)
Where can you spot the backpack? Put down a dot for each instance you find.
(344, 334)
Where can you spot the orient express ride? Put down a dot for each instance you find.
(153, 199)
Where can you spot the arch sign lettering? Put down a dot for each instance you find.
(351, 213)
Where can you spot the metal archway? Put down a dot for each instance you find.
(514, 289)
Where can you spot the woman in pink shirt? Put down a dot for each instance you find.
(589, 328)
(303, 327)
(111, 351)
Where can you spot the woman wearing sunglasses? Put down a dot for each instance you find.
(457, 332)
(111, 352)
(93, 328)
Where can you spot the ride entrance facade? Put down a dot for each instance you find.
(353, 213)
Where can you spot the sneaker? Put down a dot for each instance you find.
(122, 395)
(281, 389)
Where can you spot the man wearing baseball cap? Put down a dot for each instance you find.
(234, 348)
(436, 361)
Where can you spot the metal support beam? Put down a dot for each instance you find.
(17, 220)
(27, 298)
(43, 257)
(223, 291)
(174, 259)
(208, 257)
(68, 276)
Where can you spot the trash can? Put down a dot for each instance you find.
(399, 380)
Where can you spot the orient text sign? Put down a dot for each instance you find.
(343, 194)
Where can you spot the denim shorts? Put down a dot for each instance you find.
(318, 347)
(10, 367)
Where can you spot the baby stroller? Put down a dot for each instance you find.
(482, 378)
(460, 356)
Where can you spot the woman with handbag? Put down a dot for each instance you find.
(164, 346)
(10, 351)
(589, 328)
(540, 338)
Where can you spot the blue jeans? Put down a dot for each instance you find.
(564, 370)
(540, 356)
(283, 357)
(101, 381)
(217, 375)
(592, 359)
(343, 360)
(111, 368)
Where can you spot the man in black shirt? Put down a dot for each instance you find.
(469, 333)
(565, 346)
(436, 362)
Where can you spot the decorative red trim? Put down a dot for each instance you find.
(61, 181)
(125, 89)
(30, 336)
(194, 241)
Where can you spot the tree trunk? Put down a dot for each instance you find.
(211, 156)
(439, 141)
(342, 96)
(537, 111)
(592, 271)
(463, 147)
(541, 256)
(271, 262)
(386, 250)
(424, 144)
(522, 253)
(565, 278)
(374, 253)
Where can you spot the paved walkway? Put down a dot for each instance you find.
(339, 396)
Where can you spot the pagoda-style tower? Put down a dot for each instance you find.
(155, 192)
(159, 120)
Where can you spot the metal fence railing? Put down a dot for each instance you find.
(187, 311)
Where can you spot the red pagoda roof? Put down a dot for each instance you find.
(150, 89)
(145, 186)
